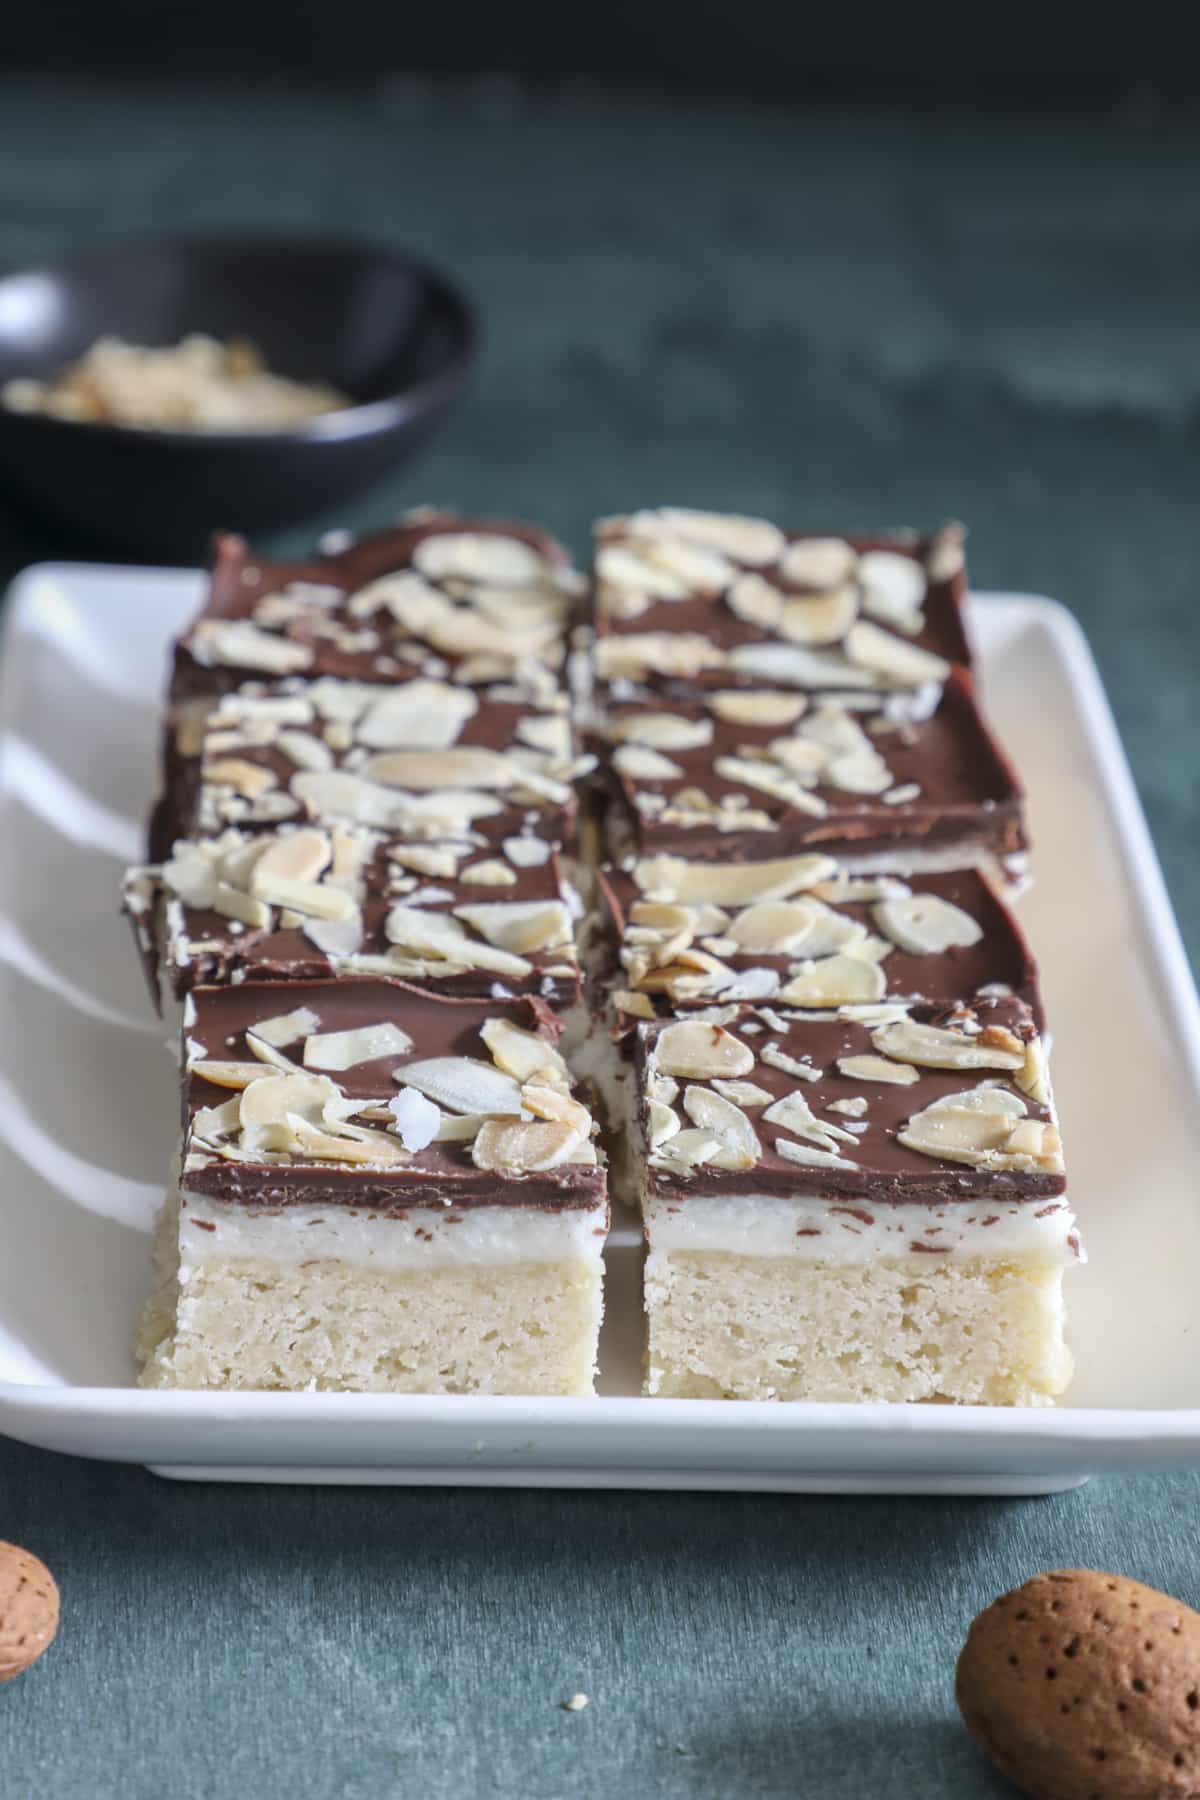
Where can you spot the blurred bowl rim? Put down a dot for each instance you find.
(362, 419)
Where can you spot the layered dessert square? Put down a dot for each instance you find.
(753, 772)
(380, 1189)
(687, 601)
(437, 593)
(803, 933)
(425, 759)
(865, 1207)
(303, 902)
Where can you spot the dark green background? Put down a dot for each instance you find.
(846, 316)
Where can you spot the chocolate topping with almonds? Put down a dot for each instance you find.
(702, 600)
(468, 922)
(765, 772)
(948, 1103)
(288, 1091)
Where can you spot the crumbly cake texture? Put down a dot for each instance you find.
(838, 1120)
(379, 1189)
(863, 1206)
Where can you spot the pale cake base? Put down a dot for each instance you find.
(975, 1330)
(253, 1323)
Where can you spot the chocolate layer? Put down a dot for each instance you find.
(197, 945)
(947, 784)
(1000, 958)
(298, 750)
(709, 609)
(441, 1174)
(326, 628)
(886, 1172)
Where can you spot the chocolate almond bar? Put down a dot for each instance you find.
(763, 772)
(438, 593)
(686, 601)
(861, 1208)
(424, 759)
(301, 903)
(802, 933)
(379, 1189)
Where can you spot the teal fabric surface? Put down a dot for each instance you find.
(843, 318)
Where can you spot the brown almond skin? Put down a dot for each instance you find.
(28, 1610)
(1086, 1686)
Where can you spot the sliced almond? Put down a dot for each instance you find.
(520, 925)
(743, 1093)
(551, 1103)
(818, 562)
(777, 927)
(423, 770)
(983, 1136)
(439, 935)
(351, 1145)
(227, 1074)
(878, 1068)
(237, 643)
(925, 924)
(522, 1148)
(776, 1058)
(713, 1112)
(217, 1121)
(699, 569)
(768, 778)
(757, 601)
(893, 589)
(305, 750)
(315, 899)
(810, 1157)
(860, 771)
(660, 731)
(801, 666)
(527, 1055)
(427, 859)
(935, 1047)
(751, 541)
(687, 1150)
(231, 903)
(638, 1006)
(548, 732)
(679, 654)
(245, 778)
(417, 715)
(1033, 1077)
(479, 556)
(626, 566)
(636, 763)
(340, 794)
(729, 884)
(339, 1050)
(287, 1028)
(295, 855)
(527, 852)
(823, 619)
(893, 661)
(794, 1114)
(490, 873)
(699, 1051)
(661, 1123)
(462, 1084)
(835, 981)
(335, 938)
(750, 706)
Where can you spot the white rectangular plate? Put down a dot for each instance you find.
(88, 1110)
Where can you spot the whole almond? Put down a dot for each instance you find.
(28, 1610)
(1086, 1686)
